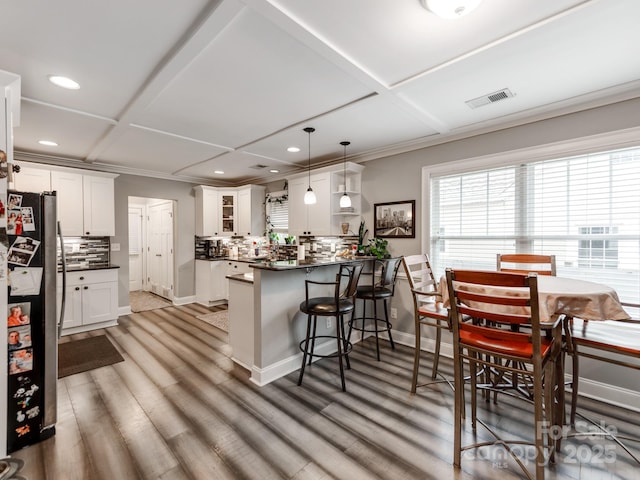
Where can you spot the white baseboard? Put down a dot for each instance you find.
(126, 310)
(263, 376)
(184, 300)
(604, 392)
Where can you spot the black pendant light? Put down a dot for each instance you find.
(345, 200)
(310, 196)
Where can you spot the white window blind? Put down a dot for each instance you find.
(277, 211)
(585, 210)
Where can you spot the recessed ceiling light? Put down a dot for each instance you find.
(64, 82)
(273, 170)
(293, 149)
(218, 172)
(48, 143)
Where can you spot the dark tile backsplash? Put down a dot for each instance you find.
(86, 252)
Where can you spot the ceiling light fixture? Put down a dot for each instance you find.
(273, 170)
(218, 172)
(345, 200)
(48, 143)
(293, 149)
(451, 9)
(64, 82)
(309, 196)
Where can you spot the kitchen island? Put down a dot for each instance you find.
(277, 325)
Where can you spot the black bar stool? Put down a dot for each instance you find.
(382, 287)
(341, 303)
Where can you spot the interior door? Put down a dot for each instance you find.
(136, 250)
(160, 254)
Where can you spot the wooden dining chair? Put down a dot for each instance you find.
(525, 263)
(427, 308)
(597, 339)
(488, 341)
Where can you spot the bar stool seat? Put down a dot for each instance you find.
(339, 305)
(383, 289)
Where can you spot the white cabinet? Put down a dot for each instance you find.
(351, 184)
(68, 187)
(211, 284)
(228, 204)
(251, 212)
(314, 219)
(91, 300)
(32, 179)
(207, 211)
(225, 212)
(233, 268)
(99, 212)
(85, 200)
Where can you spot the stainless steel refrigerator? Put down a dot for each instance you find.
(32, 329)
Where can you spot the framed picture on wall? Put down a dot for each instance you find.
(395, 219)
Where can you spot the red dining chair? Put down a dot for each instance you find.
(597, 339)
(427, 308)
(495, 301)
(526, 263)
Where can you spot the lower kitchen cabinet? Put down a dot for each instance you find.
(212, 286)
(91, 300)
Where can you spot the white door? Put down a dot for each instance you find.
(136, 250)
(160, 253)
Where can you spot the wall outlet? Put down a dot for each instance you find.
(329, 322)
(394, 313)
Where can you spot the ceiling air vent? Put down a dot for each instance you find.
(258, 166)
(490, 98)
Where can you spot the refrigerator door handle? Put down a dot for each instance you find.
(64, 279)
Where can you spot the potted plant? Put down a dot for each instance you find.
(379, 247)
(362, 233)
(289, 239)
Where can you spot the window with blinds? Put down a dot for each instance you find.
(277, 211)
(585, 210)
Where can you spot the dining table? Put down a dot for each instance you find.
(571, 297)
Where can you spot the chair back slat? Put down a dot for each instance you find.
(494, 300)
(523, 263)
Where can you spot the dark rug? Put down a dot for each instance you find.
(79, 356)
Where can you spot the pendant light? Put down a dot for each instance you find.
(310, 196)
(345, 200)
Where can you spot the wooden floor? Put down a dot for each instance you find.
(178, 408)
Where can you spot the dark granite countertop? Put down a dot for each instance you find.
(294, 264)
(232, 259)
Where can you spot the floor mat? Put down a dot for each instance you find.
(218, 319)
(142, 301)
(86, 354)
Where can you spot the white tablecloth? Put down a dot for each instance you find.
(568, 296)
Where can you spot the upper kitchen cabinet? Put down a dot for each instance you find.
(314, 219)
(225, 212)
(325, 216)
(251, 211)
(228, 203)
(207, 211)
(85, 198)
(349, 182)
(99, 213)
(32, 179)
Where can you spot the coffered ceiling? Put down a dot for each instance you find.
(182, 89)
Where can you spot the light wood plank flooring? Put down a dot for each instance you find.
(179, 408)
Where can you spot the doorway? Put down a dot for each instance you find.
(151, 246)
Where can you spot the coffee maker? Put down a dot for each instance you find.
(214, 248)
